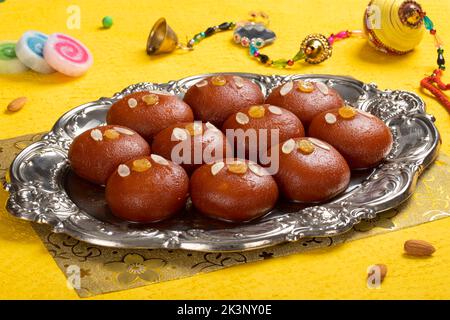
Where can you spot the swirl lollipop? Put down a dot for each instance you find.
(9, 63)
(67, 55)
(30, 49)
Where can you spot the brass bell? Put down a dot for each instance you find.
(162, 38)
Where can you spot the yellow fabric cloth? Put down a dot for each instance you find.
(28, 271)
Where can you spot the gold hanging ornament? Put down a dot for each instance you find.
(316, 48)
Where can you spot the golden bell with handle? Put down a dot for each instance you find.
(162, 38)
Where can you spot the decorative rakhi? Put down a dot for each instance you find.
(393, 27)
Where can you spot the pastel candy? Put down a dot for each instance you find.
(9, 63)
(30, 51)
(67, 55)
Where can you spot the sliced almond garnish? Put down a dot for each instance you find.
(124, 131)
(210, 126)
(97, 135)
(275, 110)
(238, 81)
(323, 88)
(160, 160)
(201, 83)
(123, 170)
(216, 167)
(132, 103)
(330, 118)
(179, 134)
(256, 169)
(288, 146)
(319, 143)
(242, 118)
(286, 88)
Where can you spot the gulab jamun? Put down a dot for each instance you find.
(147, 189)
(233, 190)
(362, 138)
(310, 170)
(198, 143)
(96, 153)
(149, 112)
(305, 99)
(215, 98)
(263, 117)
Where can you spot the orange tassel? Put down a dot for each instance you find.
(435, 86)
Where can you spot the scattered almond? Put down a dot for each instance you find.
(382, 268)
(17, 104)
(419, 248)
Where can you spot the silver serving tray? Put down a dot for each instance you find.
(43, 189)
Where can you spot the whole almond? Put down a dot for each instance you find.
(419, 248)
(383, 271)
(16, 104)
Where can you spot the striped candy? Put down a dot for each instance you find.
(30, 51)
(67, 55)
(9, 63)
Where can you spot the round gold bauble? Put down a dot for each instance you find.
(316, 48)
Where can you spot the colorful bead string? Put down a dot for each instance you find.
(303, 53)
(225, 26)
(433, 83)
(316, 48)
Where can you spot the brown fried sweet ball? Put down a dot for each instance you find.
(149, 112)
(310, 170)
(362, 138)
(202, 143)
(305, 99)
(96, 153)
(233, 190)
(265, 117)
(147, 189)
(215, 98)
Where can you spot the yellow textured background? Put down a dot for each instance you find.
(28, 271)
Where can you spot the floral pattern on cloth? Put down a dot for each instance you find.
(135, 266)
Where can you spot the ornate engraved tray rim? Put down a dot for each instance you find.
(37, 191)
